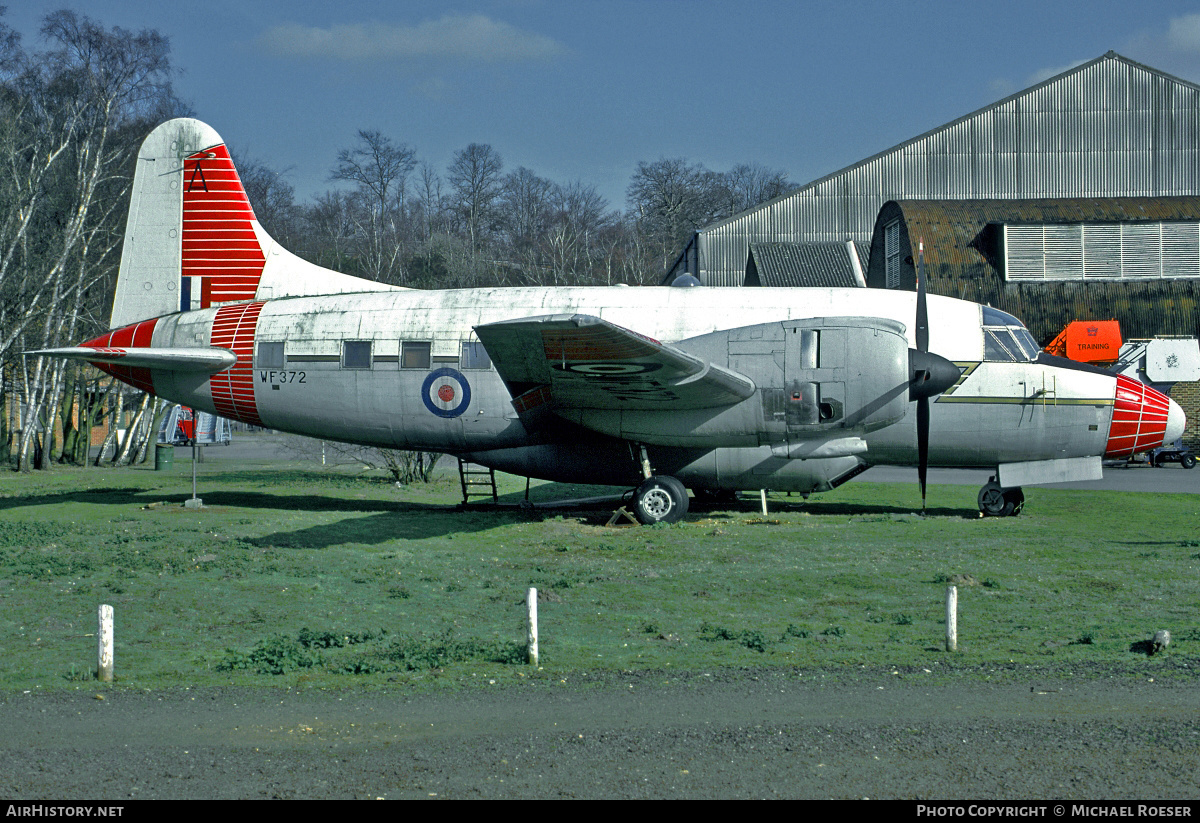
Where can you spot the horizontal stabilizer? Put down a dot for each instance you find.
(208, 360)
(589, 363)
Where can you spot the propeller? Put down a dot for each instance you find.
(929, 374)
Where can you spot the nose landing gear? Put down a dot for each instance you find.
(997, 501)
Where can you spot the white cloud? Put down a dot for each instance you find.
(474, 38)
(1183, 34)
(1175, 50)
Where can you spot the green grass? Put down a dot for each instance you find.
(300, 576)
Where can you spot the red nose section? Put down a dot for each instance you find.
(1139, 420)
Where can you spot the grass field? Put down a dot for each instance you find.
(292, 575)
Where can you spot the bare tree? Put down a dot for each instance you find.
(526, 212)
(273, 200)
(580, 217)
(475, 175)
(747, 185)
(71, 119)
(379, 171)
(670, 199)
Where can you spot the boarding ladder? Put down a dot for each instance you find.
(477, 481)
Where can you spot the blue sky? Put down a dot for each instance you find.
(585, 90)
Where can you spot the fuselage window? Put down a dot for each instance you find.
(270, 356)
(356, 354)
(414, 355)
(474, 356)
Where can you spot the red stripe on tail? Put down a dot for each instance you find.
(219, 244)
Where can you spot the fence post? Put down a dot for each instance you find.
(104, 645)
(532, 640)
(951, 618)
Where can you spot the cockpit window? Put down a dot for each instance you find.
(995, 317)
(1005, 338)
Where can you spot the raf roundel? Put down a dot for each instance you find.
(446, 392)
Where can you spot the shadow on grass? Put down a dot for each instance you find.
(817, 509)
(211, 497)
(414, 523)
(104, 497)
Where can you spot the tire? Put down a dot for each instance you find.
(1017, 498)
(681, 493)
(660, 500)
(993, 502)
(1188, 461)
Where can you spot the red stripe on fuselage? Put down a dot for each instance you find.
(233, 389)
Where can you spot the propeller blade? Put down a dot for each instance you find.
(922, 444)
(929, 375)
(923, 385)
(922, 308)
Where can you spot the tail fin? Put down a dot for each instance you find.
(192, 240)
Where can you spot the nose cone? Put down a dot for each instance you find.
(1176, 422)
(1143, 419)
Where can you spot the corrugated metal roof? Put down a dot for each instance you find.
(803, 264)
(963, 250)
(1110, 127)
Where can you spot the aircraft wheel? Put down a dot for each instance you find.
(993, 501)
(1017, 498)
(661, 500)
(681, 491)
(1188, 461)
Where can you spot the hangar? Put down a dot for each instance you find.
(1110, 127)
(1077, 198)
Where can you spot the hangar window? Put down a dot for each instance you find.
(1142, 250)
(415, 355)
(891, 254)
(356, 354)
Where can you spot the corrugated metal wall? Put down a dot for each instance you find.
(964, 258)
(1108, 128)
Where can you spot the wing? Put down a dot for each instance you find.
(583, 362)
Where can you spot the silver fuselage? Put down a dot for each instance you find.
(1000, 412)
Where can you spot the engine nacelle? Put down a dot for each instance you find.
(820, 379)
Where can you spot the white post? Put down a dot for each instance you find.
(763, 493)
(532, 640)
(951, 618)
(195, 502)
(104, 645)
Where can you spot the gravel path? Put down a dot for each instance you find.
(1015, 734)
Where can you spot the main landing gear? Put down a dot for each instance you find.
(996, 501)
(660, 499)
